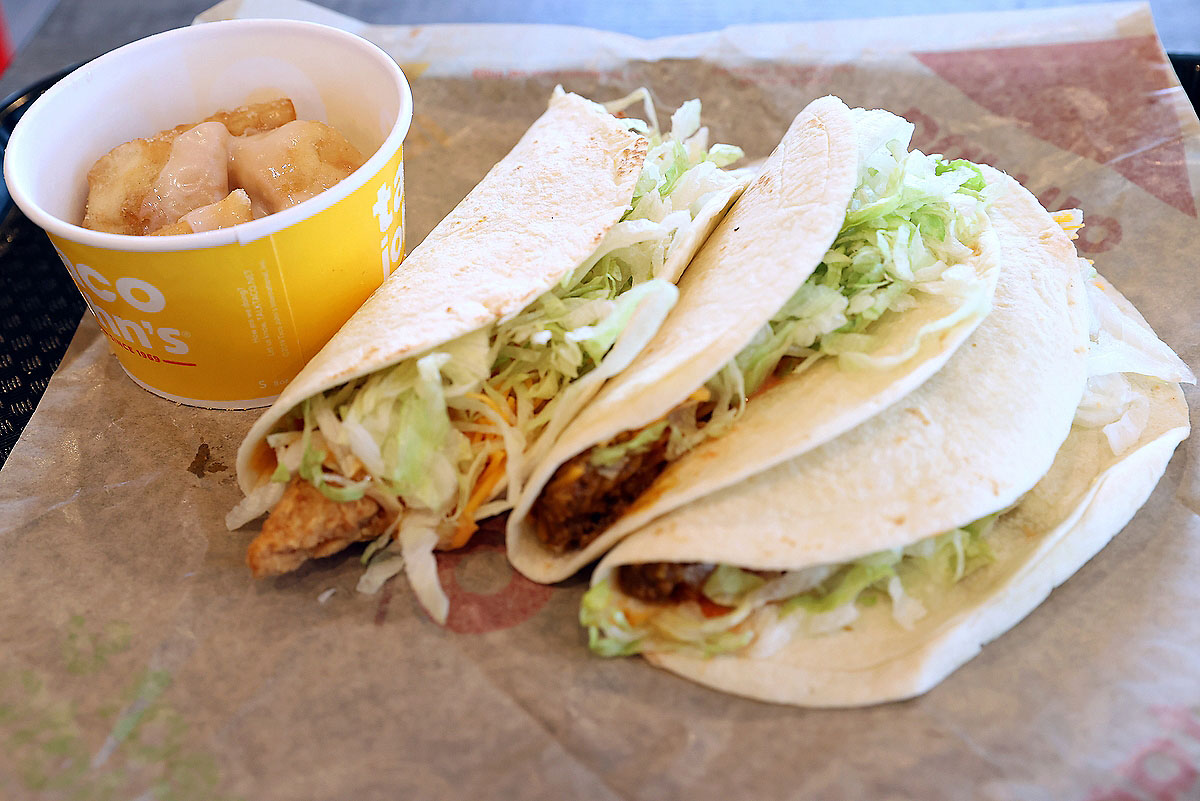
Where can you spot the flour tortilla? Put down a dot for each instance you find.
(1079, 505)
(993, 427)
(768, 244)
(534, 218)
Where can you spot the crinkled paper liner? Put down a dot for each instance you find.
(138, 659)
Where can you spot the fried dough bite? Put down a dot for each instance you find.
(196, 174)
(122, 195)
(290, 164)
(256, 117)
(119, 183)
(234, 208)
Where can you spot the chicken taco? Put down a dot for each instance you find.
(425, 412)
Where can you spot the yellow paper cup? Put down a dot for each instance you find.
(222, 319)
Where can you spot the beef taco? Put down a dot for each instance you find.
(844, 276)
(869, 569)
(425, 412)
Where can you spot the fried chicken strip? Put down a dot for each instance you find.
(306, 525)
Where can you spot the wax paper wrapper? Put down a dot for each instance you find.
(138, 659)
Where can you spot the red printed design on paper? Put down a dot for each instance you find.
(480, 612)
(1163, 769)
(1101, 233)
(1100, 100)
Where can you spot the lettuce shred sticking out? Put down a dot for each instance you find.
(768, 612)
(1124, 360)
(447, 434)
(912, 223)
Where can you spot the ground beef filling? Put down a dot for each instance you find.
(582, 499)
(659, 582)
(671, 582)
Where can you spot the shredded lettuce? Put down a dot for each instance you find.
(811, 601)
(611, 632)
(418, 538)
(260, 500)
(596, 612)
(379, 571)
(726, 584)
(912, 223)
(603, 457)
(847, 585)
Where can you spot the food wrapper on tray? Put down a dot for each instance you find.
(139, 659)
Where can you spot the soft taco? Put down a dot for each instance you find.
(425, 412)
(871, 568)
(844, 276)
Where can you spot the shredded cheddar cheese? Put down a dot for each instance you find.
(484, 487)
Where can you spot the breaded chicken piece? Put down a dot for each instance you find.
(306, 525)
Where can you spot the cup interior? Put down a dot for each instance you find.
(184, 75)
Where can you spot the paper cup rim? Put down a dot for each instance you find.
(219, 405)
(242, 233)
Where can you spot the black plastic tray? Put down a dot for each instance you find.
(39, 305)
